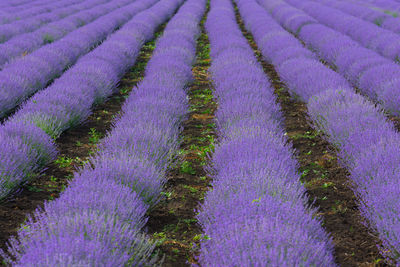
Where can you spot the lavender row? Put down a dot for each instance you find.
(24, 76)
(375, 76)
(26, 43)
(28, 134)
(8, 15)
(367, 144)
(14, 6)
(7, 31)
(16, 3)
(386, 6)
(386, 19)
(103, 210)
(382, 41)
(257, 212)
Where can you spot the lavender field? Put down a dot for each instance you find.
(200, 133)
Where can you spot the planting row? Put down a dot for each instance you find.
(103, 209)
(16, 3)
(15, 6)
(67, 102)
(23, 44)
(29, 9)
(367, 144)
(384, 19)
(373, 75)
(24, 76)
(20, 5)
(257, 213)
(7, 31)
(380, 40)
(386, 6)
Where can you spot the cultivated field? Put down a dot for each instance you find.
(200, 132)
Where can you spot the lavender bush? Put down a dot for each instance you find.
(68, 101)
(29, 24)
(374, 75)
(31, 8)
(382, 41)
(383, 18)
(16, 4)
(28, 42)
(365, 140)
(26, 75)
(256, 213)
(386, 6)
(103, 210)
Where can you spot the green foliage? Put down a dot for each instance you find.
(391, 13)
(327, 185)
(311, 135)
(48, 39)
(191, 188)
(33, 188)
(64, 162)
(94, 136)
(186, 167)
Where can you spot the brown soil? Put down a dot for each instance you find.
(173, 220)
(326, 182)
(74, 146)
(395, 120)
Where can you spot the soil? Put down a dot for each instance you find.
(75, 147)
(327, 183)
(173, 220)
(395, 120)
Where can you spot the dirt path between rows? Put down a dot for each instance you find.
(173, 220)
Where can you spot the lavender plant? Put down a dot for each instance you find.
(15, 11)
(373, 74)
(370, 35)
(365, 140)
(30, 24)
(26, 75)
(23, 44)
(9, 4)
(103, 210)
(68, 101)
(256, 213)
(368, 12)
(384, 5)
